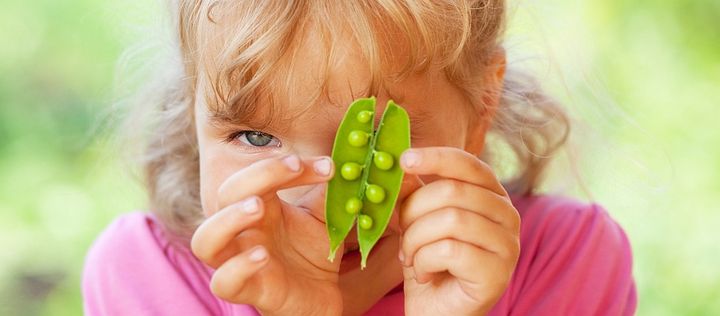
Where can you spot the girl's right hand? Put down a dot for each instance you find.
(266, 252)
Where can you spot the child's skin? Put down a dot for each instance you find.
(454, 229)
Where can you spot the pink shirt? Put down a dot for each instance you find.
(574, 260)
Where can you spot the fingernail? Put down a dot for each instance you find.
(411, 159)
(250, 206)
(258, 254)
(322, 167)
(401, 256)
(293, 162)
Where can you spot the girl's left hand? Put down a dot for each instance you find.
(460, 234)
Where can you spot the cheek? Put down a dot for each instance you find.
(216, 166)
(453, 134)
(211, 175)
(457, 125)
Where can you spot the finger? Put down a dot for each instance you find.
(478, 271)
(273, 174)
(230, 280)
(215, 235)
(452, 193)
(410, 183)
(314, 199)
(450, 162)
(461, 225)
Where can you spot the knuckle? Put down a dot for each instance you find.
(412, 240)
(220, 288)
(448, 249)
(511, 250)
(223, 196)
(515, 250)
(437, 155)
(197, 245)
(274, 169)
(510, 216)
(478, 165)
(473, 162)
(465, 154)
(515, 221)
(227, 282)
(236, 212)
(264, 173)
(454, 217)
(504, 277)
(451, 189)
(407, 245)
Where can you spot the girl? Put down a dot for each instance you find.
(237, 167)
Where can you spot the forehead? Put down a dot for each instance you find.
(310, 70)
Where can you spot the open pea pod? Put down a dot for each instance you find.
(368, 191)
(384, 173)
(338, 220)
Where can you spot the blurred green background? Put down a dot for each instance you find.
(641, 78)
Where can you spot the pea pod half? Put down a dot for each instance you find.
(367, 183)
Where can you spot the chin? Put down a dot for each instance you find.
(351, 256)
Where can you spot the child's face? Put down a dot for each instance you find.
(439, 113)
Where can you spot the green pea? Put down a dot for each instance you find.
(365, 222)
(358, 138)
(364, 116)
(378, 184)
(351, 171)
(383, 160)
(353, 205)
(375, 193)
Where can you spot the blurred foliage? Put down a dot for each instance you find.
(641, 78)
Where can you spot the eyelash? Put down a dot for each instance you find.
(235, 138)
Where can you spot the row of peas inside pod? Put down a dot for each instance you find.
(367, 185)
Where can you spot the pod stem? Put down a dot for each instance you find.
(366, 165)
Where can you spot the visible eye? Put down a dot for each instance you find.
(256, 139)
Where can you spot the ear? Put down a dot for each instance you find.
(493, 82)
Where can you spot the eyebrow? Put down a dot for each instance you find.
(273, 121)
(277, 123)
(223, 119)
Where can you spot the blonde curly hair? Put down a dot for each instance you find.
(458, 36)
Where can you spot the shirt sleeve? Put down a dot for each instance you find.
(575, 260)
(129, 271)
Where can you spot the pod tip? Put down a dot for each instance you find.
(331, 256)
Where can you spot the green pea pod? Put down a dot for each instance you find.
(371, 196)
(391, 140)
(338, 221)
